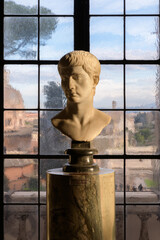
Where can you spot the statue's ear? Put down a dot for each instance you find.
(96, 80)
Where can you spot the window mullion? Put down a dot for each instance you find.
(81, 25)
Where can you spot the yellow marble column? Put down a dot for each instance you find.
(80, 206)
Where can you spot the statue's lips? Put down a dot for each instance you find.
(72, 95)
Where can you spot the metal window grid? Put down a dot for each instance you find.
(81, 42)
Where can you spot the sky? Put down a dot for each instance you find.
(116, 6)
(97, 6)
(106, 42)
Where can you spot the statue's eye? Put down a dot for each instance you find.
(74, 76)
(77, 77)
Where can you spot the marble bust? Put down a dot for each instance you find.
(79, 120)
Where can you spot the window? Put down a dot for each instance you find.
(124, 35)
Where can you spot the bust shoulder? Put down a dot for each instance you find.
(59, 118)
(78, 132)
(102, 118)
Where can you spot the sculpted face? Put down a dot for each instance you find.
(77, 85)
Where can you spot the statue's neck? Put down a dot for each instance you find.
(80, 112)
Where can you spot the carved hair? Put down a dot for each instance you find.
(88, 61)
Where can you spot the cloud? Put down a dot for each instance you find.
(116, 6)
(49, 73)
(141, 79)
(109, 86)
(29, 93)
(141, 54)
(26, 89)
(142, 28)
(140, 86)
(142, 69)
(23, 73)
(140, 96)
(145, 82)
(106, 91)
(107, 53)
(138, 67)
(59, 7)
(139, 4)
(109, 25)
(52, 52)
(106, 6)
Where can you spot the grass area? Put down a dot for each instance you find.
(150, 183)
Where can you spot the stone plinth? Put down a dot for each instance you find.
(80, 205)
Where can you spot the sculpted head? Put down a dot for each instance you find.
(79, 120)
(81, 68)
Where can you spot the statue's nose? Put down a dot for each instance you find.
(71, 83)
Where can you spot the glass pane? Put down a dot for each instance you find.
(142, 132)
(43, 222)
(56, 37)
(141, 81)
(143, 222)
(20, 38)
(117, 166)
(20, 86)
(119, 223)
(109, 91)
(106, 6)
(142, 38)
(106, 39)
(20, 180)
(45, 165)
(20, 222)
(142, 7)
(111, 139)
(56, 7)
(52, 141)
(21, 7)
(142, 182)
(20, 132)
(52, 95)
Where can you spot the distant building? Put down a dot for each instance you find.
(12, 100)
(18, 172)
(20, 127)
(111, 139)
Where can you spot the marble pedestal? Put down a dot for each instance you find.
(80, 206)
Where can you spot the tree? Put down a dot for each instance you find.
(53, 94)
(33, 184)
(21, 33)
(47, 164)
(52, 141)
(140, 118)
(144, 137)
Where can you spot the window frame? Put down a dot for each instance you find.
(81, 18)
